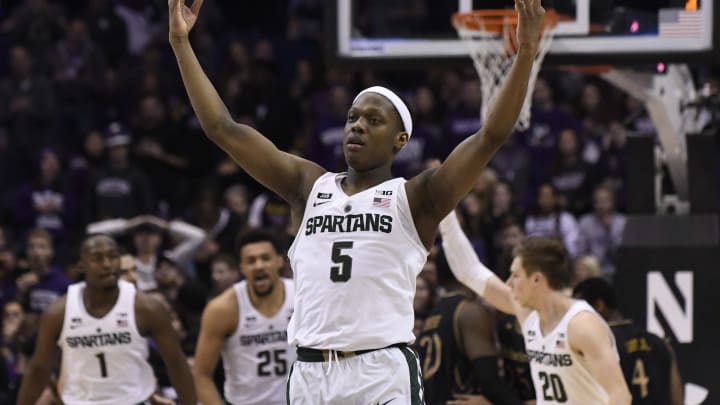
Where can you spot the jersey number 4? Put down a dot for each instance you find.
(341, 273)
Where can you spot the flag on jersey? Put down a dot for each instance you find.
(381, 202)
(678, 23)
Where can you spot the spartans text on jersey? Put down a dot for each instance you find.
(349, 223)
(99, 340)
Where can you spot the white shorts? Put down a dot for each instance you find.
(389, 376)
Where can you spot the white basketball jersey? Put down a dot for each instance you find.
(257, 357)
(355, 260)
(559, 375)
(104, 360)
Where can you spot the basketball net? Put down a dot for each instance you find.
(490, 36)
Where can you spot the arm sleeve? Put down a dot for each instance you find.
(461, 256)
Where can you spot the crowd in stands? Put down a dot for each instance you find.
(97, 135)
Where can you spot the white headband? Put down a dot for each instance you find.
(399, 105)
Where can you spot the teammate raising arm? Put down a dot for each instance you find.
(571, 349)
(101, 326)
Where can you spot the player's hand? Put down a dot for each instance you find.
(464, 399)
(531, 18)
(182, 18)
(158, 400)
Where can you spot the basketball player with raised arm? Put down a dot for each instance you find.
(247, 324)
(364, 235)
(101, 326)
(571, 349)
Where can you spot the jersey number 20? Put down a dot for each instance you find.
(553, 388)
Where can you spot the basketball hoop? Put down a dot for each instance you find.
(490, 36)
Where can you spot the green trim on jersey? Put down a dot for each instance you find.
(416, 389)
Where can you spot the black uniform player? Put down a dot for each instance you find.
(457, 347)
(515, 360)
(647, 361)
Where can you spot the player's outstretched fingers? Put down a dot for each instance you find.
(521, 6)
(195, 8)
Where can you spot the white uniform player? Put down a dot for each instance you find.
(104, 360)
(575, 361)
(256, 356)
(356, 259)
(559, 374)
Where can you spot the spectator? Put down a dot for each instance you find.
(43, 282)
(148, 233)
(570, 174)
(120, 190)
(547, 220)
(47, 202)
(27, 106)
(600, 232)
(225, 273)
(107, 28)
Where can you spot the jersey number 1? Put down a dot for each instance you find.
(103, 366)
(341, 273)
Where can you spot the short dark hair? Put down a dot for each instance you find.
(254, 236)
(594, 289)
(549, 257)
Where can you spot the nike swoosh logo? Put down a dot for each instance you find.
(321, 203)
(386, 402)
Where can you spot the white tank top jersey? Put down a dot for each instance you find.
(104, 360)
(355, 260)
(561, 376)
(257, 357)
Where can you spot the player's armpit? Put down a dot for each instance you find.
(590, 337)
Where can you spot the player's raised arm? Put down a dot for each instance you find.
(287, 175)
(154, 320)
(213, 331)
(37, 375)
(440, 190)
(589, 336)
(470, 271)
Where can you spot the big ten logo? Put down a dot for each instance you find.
(677, 311)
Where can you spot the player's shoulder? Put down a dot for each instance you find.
(223, 307)
(56, 308)
(587, 327)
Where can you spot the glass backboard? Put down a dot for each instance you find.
(619, 32)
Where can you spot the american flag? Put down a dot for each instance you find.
(381, 202)
(560, 344)
(123, 323)
(677, 23)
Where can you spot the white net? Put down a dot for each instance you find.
(493, 55)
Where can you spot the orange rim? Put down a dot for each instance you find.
(495, 20)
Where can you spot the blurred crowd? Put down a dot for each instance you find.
(96, 135)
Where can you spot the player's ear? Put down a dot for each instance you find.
(400, 141)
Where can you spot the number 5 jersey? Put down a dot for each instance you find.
(355, 260)
(104, 360)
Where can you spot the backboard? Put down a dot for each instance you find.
(399, 33)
